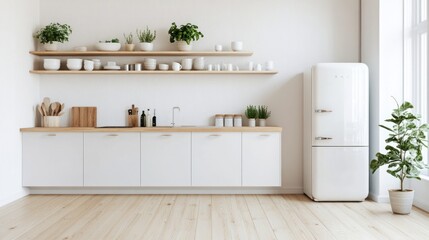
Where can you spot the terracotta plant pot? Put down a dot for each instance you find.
(401, 201)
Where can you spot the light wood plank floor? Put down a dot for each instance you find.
(204, 217)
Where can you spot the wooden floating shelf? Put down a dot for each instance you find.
(139, 53)
(149, 72)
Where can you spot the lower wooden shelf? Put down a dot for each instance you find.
(149, 72)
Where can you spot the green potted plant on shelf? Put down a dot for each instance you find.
(129, 46)
(263, 114)
(403, 155)
(251, 114)
(184, 35)
(109, 45)
(146, 38)
(53, 33)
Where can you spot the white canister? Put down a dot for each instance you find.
(97, 64)
(219, 120)
(238, 120)
(229, 120)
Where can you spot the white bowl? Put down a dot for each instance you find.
(163, 67)
(51, 64)
(74, 64)
(108, 46)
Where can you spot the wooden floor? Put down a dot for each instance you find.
(99, 217)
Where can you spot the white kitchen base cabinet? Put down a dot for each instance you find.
(52, 159)
(216, 159)
(112, 159)
(261, 159)
(166, 159)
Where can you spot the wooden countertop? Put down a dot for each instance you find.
(155, 129)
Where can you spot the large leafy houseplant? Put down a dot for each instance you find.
(187, 33)
(403, 157)
(54, 32)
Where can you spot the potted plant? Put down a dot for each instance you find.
(146, 38)
(53, 33)
(109, 45)
(251, 113)
(404, 154)
(263, 114)
(184, 35)
(129, 46)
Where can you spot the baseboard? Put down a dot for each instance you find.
(164, 190)
(379, 198)
(421, 205)
(13, 197)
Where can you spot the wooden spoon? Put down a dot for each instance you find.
(47, 102)
(39, 107)
(44, 109)
(53, 108)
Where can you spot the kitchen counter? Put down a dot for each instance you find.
(155, 129)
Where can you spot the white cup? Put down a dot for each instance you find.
(163, 67)
(269, 65)
(97, 64)
(176, 66)
(250, 68)
(258, 67)
(187, 63)
(218, 48)
(236, 45)
(210, 67)
(88, 65)
(230, 67)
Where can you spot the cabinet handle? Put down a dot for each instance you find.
(112, 135)
(214, 135)
(323, 138)
(264, 135)
(166, 135)
(322, 111)
(52, 135)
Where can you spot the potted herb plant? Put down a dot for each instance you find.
(129, 46)
(53, 33)
(109, 45)
(403, 155)
(184, 35)
(263, 114)
(251, 113)
(146, 38)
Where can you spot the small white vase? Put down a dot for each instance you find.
(401, 201)
(262, 122)
(145, 46)
(184, 46)
(129, 47)
(50, 46)
(252, 122)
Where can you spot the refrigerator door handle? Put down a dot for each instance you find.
(322, 111)
(323, 138)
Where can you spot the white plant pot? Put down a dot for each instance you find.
(129, 47)
(50, 46)
(183, 46)
(262, 122)
(145, 46)
(401, 202)
(252, 122)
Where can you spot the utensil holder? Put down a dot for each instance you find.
(51, 121)
(133, 120)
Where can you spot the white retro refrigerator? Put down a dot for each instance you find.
(336, 132)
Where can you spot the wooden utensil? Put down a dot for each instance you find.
(44, 109)
(47, 102)
(39, 107)
(53, 108)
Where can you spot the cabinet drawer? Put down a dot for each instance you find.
(112, 159)
(52, 159)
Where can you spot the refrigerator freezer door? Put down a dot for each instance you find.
(340, 173)
(340, 104)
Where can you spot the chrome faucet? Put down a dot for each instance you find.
(174, 108)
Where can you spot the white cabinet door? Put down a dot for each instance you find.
(166, 159)
(216, 159)
(112, 159)
(52, 159)
(340, 173)
(340, 104)
(261, 159)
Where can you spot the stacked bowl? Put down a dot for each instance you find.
(149, 64)
(51, 64)
(74, 64)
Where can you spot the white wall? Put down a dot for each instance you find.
(19, 91)
(382, 51)
(294, 34)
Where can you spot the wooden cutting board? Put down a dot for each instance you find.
(84, 116)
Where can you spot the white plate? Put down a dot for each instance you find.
(112, 67)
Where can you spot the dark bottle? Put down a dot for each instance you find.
(154, 118)
(143, 120)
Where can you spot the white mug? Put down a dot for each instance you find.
(187, 63)
(269, 65)
(258, 67)
(230, 67)
(237, 46)
(176, 66)
(250, 66)
(210, 67)
(218, 48)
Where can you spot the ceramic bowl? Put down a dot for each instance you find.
(74, 64)
(51, 64)
(111, 47)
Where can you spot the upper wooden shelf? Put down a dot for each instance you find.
(140, 53)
